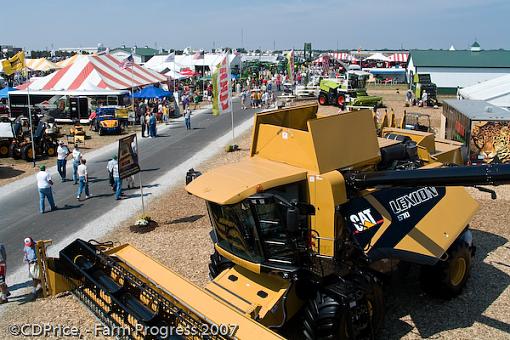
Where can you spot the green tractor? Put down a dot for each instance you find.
(423, 83)
(347, 92)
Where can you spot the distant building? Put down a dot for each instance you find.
(141, 55)
(450, 69)
(79, 50)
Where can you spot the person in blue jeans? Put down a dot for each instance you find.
(62, 153)
(152, 125)
(113, 168)
(84, 179)
(76, 162)
(44, 184)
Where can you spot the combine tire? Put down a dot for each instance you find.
(447, 278)
(325, 319)
(218, 264)
(27, 153)
(4, 150)
(14, 152)
(51, 150)
(323, 99)
(340, 101)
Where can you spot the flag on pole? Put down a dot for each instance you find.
(14, 64)
(199, 55)
(128, 62)
(290, 66)
(170, 58)
(222, 94)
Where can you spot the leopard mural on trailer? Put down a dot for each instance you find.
(490, 142)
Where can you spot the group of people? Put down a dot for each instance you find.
(30, 258)
(80, 177)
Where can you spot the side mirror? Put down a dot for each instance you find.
(292, 219)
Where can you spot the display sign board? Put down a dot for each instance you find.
(128, 156)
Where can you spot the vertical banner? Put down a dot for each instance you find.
(128, 156)
(290, 66)
(221, 88)
(14, 64)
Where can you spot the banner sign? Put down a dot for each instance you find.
(128, 156)
(221, 88)
(290, 66)
(14, 64)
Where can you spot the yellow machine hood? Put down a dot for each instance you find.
(234, 182)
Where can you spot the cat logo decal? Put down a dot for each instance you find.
(364, 220)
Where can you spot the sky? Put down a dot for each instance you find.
(284, 24)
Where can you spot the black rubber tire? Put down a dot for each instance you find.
(51, 150)
(444, 279)
(340, 101)
(4, 150)
(218, 264)
(26, 153)
(324, 318)
(14, 152)
(323, 99)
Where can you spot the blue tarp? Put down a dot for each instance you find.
(151, 92)
(4, 93)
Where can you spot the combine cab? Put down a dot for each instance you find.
(421, 83)
(304, 230)
(347, 92)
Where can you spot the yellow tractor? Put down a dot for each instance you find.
(304, 230)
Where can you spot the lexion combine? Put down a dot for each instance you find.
(304, 229)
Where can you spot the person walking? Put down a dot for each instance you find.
(187, 119)
(44, 184)
(244, 94)
(84, 180)
(62, 153)
(113, 167)
(425, 98)
(76, 162)
(4, 292)
(30, 257)
(109, 168)
(152, 125)
(142, 123)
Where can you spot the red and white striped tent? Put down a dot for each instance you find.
(322, 59)
(93, 73)
(399, 57)
(342, 56)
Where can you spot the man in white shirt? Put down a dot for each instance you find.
(113, 168)
(44, 184)
(62, 153)
(76, 162)
(84, 179)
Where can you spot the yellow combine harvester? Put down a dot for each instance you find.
(304, 230)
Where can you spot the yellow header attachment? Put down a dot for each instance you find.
(296, 136)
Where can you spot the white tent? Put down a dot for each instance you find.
(495, 91)
(378, 56)
(157, 63)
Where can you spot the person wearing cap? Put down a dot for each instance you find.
(30, 257)
(113, 168)
(84, 179)
(44, 184)
(76, 162)
(109, 168)
(62, 153)
(4, 292)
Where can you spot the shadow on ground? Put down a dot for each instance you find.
(431, 315)
(9, 172)
(186, 219)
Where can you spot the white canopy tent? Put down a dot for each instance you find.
(495, 91)
(378, 56)
(157, 63)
